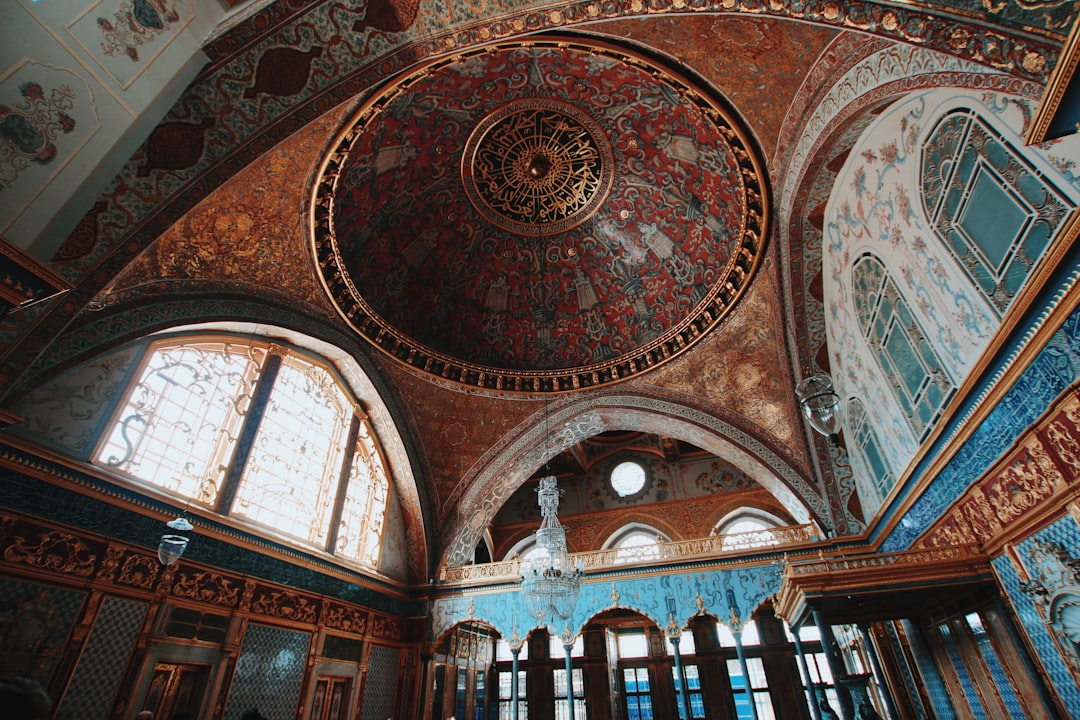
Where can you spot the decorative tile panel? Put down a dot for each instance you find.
(1016, 487)
(1045, 649)
(381, 683)
(268, 672)
(101, 667)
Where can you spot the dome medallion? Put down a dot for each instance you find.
(537, 166)
(539, 216)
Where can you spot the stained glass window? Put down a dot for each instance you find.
(868, 449)
(627, 478)
(995, 213)
(360, 531)
(908, 360)
(178, 425)
(179, 428)
(291, 477)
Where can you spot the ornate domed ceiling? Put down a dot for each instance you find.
(554, 215)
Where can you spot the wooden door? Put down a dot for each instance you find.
(331, 699)
(175, 687)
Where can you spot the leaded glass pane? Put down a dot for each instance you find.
(907, 359)
(993, 210)
(178, 427)
(292, 475)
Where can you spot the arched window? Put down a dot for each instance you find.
(635, 543)
(747, 528)
(903, 351)
(868, 449)
(995, 213)
(258, 432)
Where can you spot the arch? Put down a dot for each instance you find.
(510, 463)
(633, 529)
(746, 513)
(134, 321)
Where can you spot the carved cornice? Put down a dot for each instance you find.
(61, 556)
(806, 582)
(1056, 86)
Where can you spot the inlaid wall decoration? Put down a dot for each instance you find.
(35, 621)
(125, 36)
(47, 115)
(381, 683)
(64, 412)
(268, 672)
(1043, 586)
(101, 666)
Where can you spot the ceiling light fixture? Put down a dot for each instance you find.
(821, 405)
(173, 545)
(550, 584)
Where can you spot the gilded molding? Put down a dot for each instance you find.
(1014, 493)
(1056, 86)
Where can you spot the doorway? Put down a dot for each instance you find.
(175, 687)
(331, 698)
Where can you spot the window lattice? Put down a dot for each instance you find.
(291, 478)
(903, 351)
(360, 531)
(869, 449)
(177, 428)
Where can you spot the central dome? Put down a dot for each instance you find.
(539, 216)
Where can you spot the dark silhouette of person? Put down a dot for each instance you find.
(252, 714)
(23, 699)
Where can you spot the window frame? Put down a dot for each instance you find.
(249, 403)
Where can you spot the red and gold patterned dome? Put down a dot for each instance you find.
(539, 217)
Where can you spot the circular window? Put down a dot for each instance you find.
(627, 478)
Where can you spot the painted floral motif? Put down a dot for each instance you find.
(895, 176)
(28, 129)
(135, 24)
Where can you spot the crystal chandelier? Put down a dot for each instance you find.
(549, 583)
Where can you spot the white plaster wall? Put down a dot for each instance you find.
(114, 99)
(876, 207)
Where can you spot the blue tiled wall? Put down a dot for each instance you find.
(101, 667)
(1065, 532)
(268, 673)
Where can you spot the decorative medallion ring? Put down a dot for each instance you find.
(537, 166)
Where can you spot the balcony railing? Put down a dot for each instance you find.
(711, 548)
